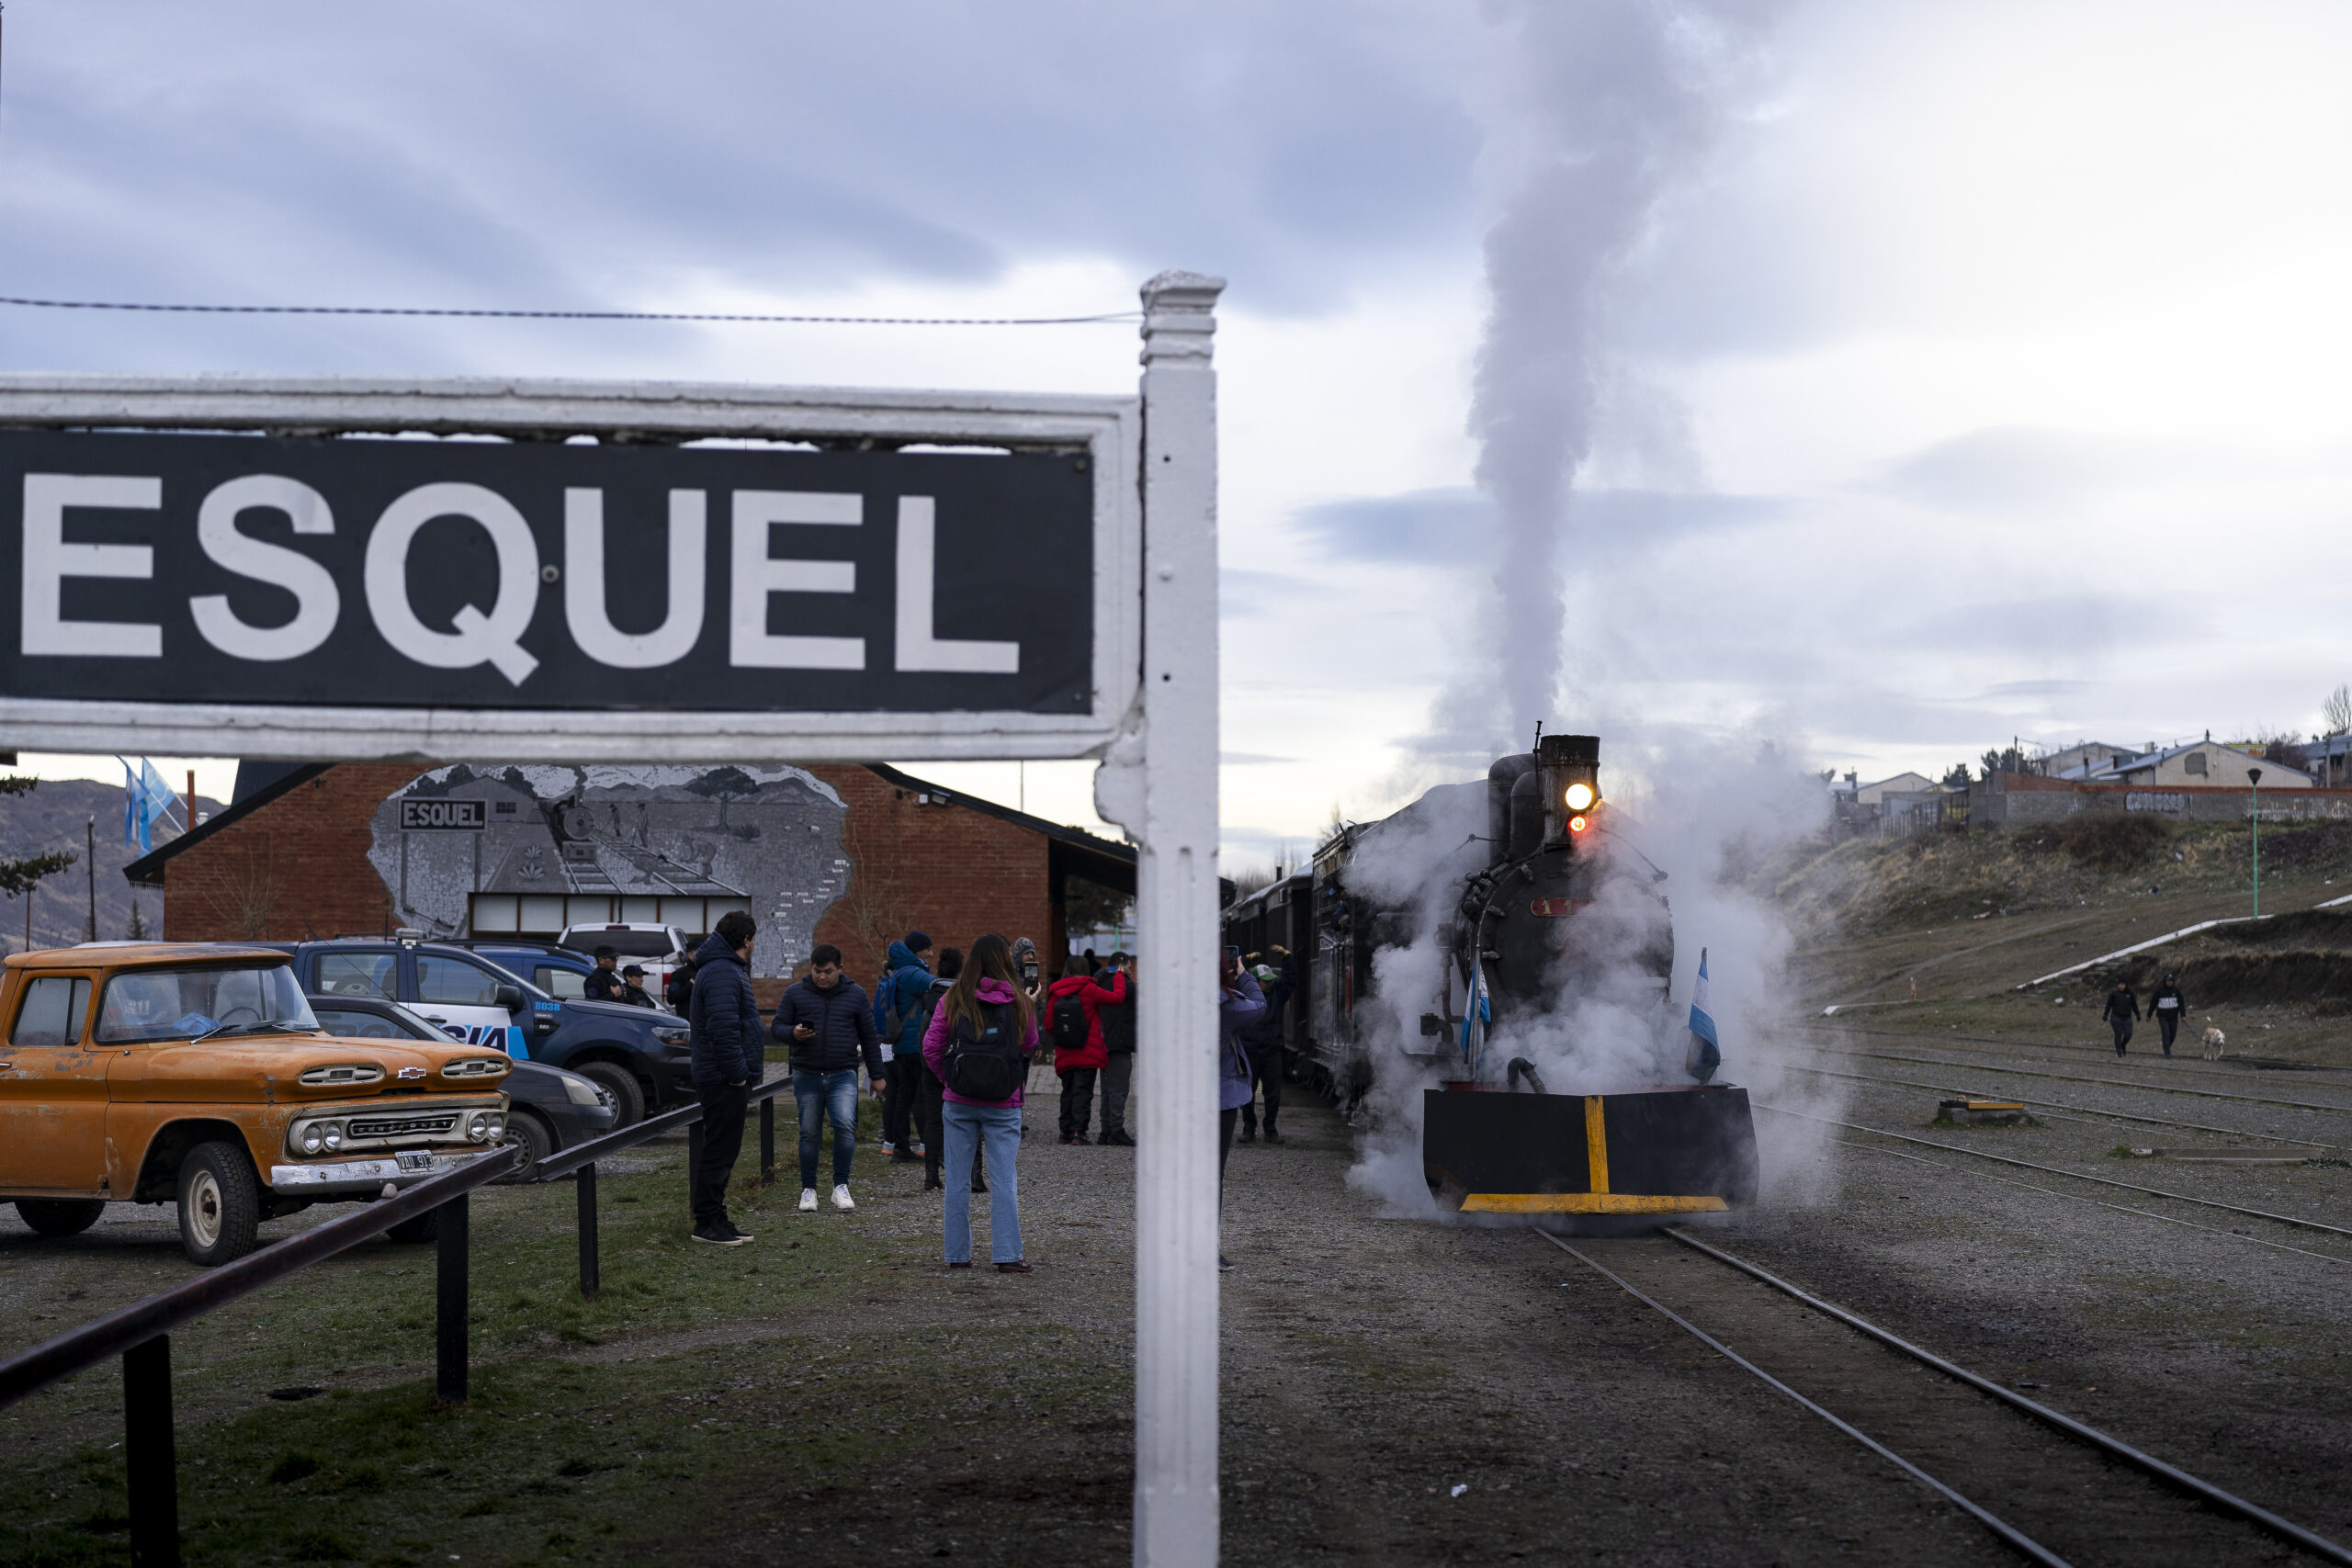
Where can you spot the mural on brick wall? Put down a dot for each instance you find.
(765, 838)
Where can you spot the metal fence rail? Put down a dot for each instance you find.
(580, 1163)
(140, 1335)
(140, 1332)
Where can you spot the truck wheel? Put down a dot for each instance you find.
(628, 1097)
(526, 1132)
(426, 1226)
(60, 1216)
(220, 1201)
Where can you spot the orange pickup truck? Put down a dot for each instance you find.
(196, 1074)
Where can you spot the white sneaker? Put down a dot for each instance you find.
(808, 1200)
(842, 1200)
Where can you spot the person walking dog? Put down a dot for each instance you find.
(2123, 1012)
(723, 1035)
(979, 1041)
(829, 1023)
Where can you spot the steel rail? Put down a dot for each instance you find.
(2060, 1170)
(2063, 1105)
(2172, 1475)
(29, 1370)
(2010, 1534)
(2094, 1202)
(2110, 1083)
(2089, 1048)
(558, 1166)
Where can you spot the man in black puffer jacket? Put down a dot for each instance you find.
(724, 1039)
(828, 1021)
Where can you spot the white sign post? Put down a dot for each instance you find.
(1160, 782)
(465, 600)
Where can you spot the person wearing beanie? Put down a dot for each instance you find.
(898, 1010)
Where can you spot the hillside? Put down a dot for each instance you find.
(56, 816)
(1962, 920)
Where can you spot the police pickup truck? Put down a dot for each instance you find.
(636, 1055)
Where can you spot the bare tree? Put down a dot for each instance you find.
(248, 887)
(880, 907)
(2336, 712)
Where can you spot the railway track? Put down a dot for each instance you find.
(2188, 1059)
(2055, 1490)
(2061, 1170)
(2080, 1111)
(1985, 1067)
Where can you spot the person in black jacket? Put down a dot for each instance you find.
(1119, 1063)
(604, 981)
(828, 1021)
(1263, 1040)
(2166, 1005)
(2122, 1011)
(680, 992)
(723, 1036)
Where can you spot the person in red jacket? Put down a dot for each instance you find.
(1078, 1065)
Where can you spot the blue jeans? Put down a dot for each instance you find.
(823, 1095)
(963, 1128)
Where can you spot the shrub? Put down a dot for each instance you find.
(2108, 840)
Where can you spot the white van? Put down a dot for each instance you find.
(655, 948)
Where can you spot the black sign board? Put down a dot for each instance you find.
(387, 574)
(443, 815)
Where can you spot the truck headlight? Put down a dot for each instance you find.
(478, 1127)
(673, 1036)
(579, 1092)
(330, 1136)
(313, 1138)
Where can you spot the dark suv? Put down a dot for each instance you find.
(636, 1056)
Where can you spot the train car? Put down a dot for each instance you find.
(1540, 925)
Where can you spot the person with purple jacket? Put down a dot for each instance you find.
(1240, 1004)
(980, 1038)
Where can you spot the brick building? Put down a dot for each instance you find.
(851, 855)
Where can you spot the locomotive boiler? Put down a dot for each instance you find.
(1526, 970)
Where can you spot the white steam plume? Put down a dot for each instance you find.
(1601, 108)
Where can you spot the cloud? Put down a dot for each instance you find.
(2014, 469)
(1455, 525)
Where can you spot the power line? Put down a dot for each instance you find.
(577, 315)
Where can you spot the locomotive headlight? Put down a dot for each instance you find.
(1580, 795)
(1578, 824)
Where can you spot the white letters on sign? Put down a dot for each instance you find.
(494, 636)
(317, 600)
(584, 582)
(757, 574)
(917, 575)
(479, 639)
(48, 560)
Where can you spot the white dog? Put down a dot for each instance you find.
(2214, 1041)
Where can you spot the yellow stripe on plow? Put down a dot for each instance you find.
(1589, 1203)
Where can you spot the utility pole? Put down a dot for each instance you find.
(90, 860)
(2254, 776)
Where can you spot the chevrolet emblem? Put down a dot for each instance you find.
(412, 1072)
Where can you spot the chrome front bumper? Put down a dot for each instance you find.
(364, 1178)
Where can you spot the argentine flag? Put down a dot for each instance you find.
(1706, 1051)
(1476, 1013)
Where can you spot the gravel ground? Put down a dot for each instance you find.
(1373, 1364)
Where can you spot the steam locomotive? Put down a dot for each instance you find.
(1466, 959)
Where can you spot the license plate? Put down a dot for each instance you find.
(415, 1159)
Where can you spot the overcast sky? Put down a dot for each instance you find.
(1978, 375)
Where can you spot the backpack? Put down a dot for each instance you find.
(1069, 1024)
(987, 1064)
(894, 1017)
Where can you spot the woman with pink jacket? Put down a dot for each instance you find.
(978, 1043)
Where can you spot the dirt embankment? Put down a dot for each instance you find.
(1864, 888)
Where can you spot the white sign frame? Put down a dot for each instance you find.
(1108, 429)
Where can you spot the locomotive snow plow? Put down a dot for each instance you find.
(1667, 1151)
